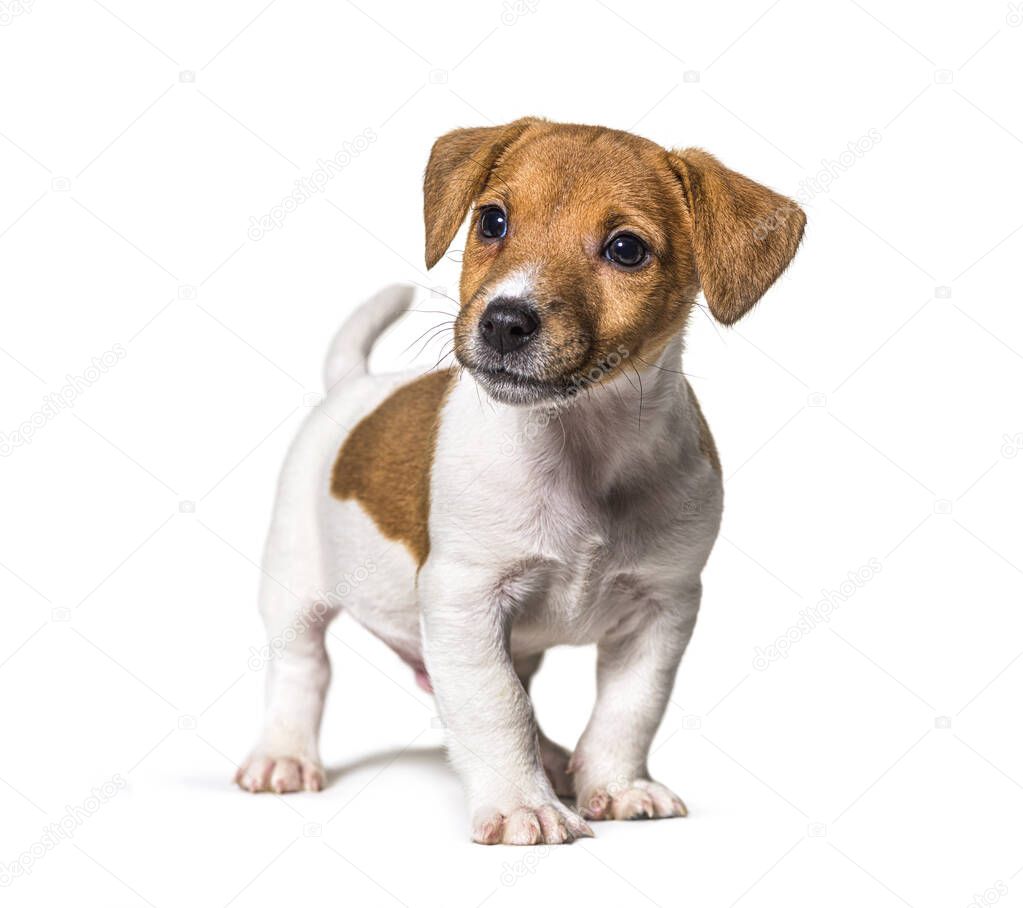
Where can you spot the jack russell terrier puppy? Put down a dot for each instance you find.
(558, 486)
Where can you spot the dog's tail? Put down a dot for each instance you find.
(351, 346)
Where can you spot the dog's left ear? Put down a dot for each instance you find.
(459, 165)
(744, 234)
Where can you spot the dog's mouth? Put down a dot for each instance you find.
(508, 386)
(511, 387)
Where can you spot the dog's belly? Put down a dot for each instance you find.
(570, 590)
(577, 606)
(374, 580)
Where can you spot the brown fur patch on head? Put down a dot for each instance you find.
(385, 462)
(567, 191)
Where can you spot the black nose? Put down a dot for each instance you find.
(507, 325)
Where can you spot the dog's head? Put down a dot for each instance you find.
(587, 244)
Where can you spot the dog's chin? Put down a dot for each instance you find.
(516, 390)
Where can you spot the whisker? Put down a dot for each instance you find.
(491, 174)
(435, 291)
(479, 399)
(620, 397)
(640, 379)
(430, 340)
(707, 315)
(666, 369)
(564, 434)
(435, 327)
(434, 311)
(443, 356)
(625, 375)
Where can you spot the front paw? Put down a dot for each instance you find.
(548, 824)
(639, 799)
(261, 772)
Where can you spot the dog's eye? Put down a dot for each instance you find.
(493, 222)
(626, 250)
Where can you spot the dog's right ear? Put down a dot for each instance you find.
(459, 165)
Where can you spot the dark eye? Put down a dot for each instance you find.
(626, 250)
(493, 222)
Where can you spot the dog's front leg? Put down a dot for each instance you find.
(636, 667)
(491, 732)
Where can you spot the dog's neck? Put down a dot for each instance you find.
(612, 431)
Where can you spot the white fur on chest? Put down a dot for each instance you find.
(578, 530)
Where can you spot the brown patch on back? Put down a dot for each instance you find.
(385, 462)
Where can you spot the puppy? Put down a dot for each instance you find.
(559, 486)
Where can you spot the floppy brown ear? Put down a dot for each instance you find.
(744, 234)
(459, 165)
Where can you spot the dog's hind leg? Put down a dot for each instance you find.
(296, 613)
(286, 756)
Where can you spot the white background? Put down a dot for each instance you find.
(868, 409)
